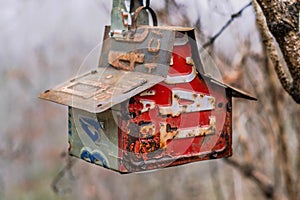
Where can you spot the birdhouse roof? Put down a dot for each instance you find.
(114, 82)
(100, 89)
(234, 91)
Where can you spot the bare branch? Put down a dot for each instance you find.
(282, 23)
(267, 40)
(233, 17)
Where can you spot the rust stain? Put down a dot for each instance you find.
(150, 67)
(120, 60)
(154, 49)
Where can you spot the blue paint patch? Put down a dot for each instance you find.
(94, 157)
(69, 112)
(85, 155)
(70, 127)
(98, 157)
(91, 127)
(70, 122)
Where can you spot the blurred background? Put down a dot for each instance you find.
(44, 43)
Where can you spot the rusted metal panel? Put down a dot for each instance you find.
(201, 130)
(176, 122)
(117, 59)
(100, 89)
(145, 49)
(185, 102)
(190, 132)
(181, 79)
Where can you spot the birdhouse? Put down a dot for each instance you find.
(148, 104)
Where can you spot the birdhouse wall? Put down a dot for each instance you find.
(109, 138)
(188, 137)
(94, 137)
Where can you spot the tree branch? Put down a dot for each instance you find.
(271, 49)
(282, 23)
(233, 17)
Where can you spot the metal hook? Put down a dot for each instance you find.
(137, 12)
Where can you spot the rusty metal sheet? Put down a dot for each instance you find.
(201, 130)
(196, 102)
(144, 49)
(100, 89)
(182, 79)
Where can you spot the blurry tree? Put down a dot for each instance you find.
(266, 131)
(44, 42)
(282, 21)
(269, 123)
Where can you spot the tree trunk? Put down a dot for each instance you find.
(282, 19)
